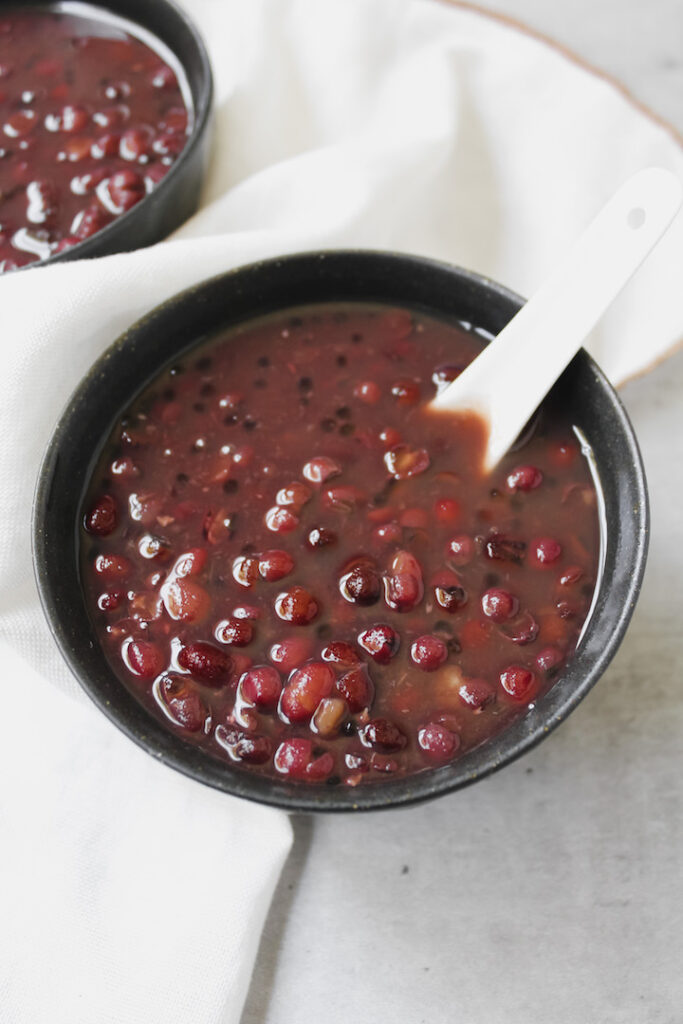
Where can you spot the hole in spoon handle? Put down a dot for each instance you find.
(636, 218)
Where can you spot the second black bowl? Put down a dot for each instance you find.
(176, 197)
(433, 288)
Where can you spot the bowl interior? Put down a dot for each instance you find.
(433, 288)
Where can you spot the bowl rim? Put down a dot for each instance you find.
(522, 735)
(202, 102)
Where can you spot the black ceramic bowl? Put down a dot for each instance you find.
(176, 197)
(158, 339)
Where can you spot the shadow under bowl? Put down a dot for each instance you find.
(442, 291)
(176, 197)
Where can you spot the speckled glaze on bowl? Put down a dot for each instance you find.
(184, 321)
(176, 197)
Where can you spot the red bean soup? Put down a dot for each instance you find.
(296, 564)
(91, 119)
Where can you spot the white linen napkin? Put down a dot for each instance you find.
(127, 892)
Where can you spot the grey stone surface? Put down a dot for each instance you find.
(637, 42)
(551, 893)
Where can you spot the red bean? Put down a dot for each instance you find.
(113, 567)
(142, 658)
(344, 498)
(235, 632)
(89, 221)
(297, 606)
(388, 533)
(390, 437)
(545, 551)
(406, 391)
(20, 123)
(247, 611)
(447, 510)
(321, 469)
(275, 565)
(125, 189)
(106, 146)
(293, 756)
(281, 520)
(251, 749)
(136, 143)
(571, 575)
(261, 686)
(415, 518)
(182, 702)
(329, 716)
(190, 563)
(102, 518)
(549, 659)
(110, 600)
(320, 768)
(519, 683)
(505, 549)
(185, 600)
(524, 478)
(381, 642)
(206, 662)
(164, 78)
(521, 628)
(245, 570)
(304, 691)
(368, 392)
(450, 596)
(461, 549)
(338, 652)
(445, 374)
(320, 537)
(498, 604)
(439, 743)
(476, 694)
(295, 494)
(361, 586)
(428, 652)
(402, 461)
(403, 587)
(291, 653)
(383, 736)
(357, 688)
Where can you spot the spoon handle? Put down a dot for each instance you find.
(512, 375)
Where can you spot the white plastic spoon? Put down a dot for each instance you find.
(507, 382)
